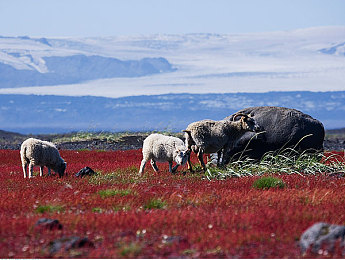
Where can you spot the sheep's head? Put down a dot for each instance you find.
(60, 169)
(247, 122)
(188, 138)
(181, 155)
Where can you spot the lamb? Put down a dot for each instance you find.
(209, 136)
(162, 148)
(37, 152)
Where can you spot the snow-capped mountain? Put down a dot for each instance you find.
(35, 62)
(307, 59)
(131, 69)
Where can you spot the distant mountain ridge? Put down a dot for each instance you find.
(57, 114)
(26, 61)
(80, 68)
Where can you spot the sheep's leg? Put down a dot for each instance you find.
(201, 160)
(41, 170)
(171, 169)
(175, 168)
(213, 159)
(226, 156)
(142, 166)
(154, 165)
(49, 172)
(189, 164)
(219, 153)
(24, 169)
(31, 166)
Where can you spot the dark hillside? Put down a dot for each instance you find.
(334, 141)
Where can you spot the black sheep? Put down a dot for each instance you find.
(281, 128)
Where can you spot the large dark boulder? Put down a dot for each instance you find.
(283, 127)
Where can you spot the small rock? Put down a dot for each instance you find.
(85, 171)
(68, 186)
(322, 235)
(68, 243)
(47, 223)
(337, 174)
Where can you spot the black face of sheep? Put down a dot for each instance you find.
(61, 169)
(278, 127)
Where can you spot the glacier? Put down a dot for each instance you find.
(182, 78)
(309, 59)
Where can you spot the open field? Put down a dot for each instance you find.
(158, 215)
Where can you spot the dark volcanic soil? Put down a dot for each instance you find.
(9, 140)
(125, 143)
(334, 141)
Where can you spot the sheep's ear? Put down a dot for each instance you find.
(188, 132)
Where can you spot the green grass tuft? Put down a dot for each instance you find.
(131, 250)
(268, 182)
(113, 192)
(97, 210)
(49, 209)
(121, 208)
(155, 204)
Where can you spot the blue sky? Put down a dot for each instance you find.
(56, 18)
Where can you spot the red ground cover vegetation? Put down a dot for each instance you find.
(159, 215)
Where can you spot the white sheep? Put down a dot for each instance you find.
(162, 148)
(209, 136)
(42, 153)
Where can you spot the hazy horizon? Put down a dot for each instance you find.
(78, 18)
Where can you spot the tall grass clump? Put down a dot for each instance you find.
(287, 161)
